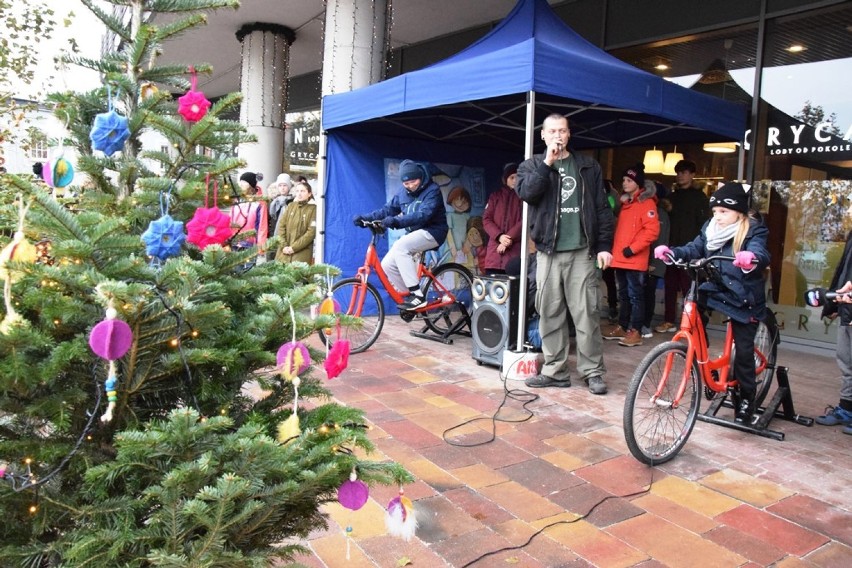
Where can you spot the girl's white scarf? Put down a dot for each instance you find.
(718, 236)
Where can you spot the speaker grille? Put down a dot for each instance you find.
(490, 329)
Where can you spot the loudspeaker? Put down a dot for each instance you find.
(494, 324)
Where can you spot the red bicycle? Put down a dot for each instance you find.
(664, 395)
(446, 288)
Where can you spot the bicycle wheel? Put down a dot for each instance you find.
(458, 280)
(655, 431)
(766, 342)
(361, 334)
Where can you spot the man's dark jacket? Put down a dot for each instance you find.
(538, 185)
(842, 274)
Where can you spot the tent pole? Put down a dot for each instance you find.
(322, 162)
(522, 296)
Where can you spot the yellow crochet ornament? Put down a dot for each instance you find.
(19, 250)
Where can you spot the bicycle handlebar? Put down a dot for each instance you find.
(375, 227)
(699, 262)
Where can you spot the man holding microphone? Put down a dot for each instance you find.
(572, 225)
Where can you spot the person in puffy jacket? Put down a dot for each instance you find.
(418, 207)
(637, 227)
(740, 292)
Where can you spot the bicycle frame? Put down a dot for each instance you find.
(714, 373)
(373, 263)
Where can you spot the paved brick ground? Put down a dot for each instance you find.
(728, 499)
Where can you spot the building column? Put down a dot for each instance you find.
(263, 84)
(357, 38)
(356, 34)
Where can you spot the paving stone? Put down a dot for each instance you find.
(758, 492)
(520, 501)
(816, 515)
(672, 545)
(756, 550)
(831, 555)
(621, 475)
(439, 519)
(676, 514)
(479, 475)
(598, 547)
(693, 496)
(540, 476)
(773, 529)
(477, 506)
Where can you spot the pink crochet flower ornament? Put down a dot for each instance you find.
(209, 226)
(193, 105)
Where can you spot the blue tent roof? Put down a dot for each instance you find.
(478, 95)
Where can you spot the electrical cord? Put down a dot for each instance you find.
(555, 523)
(508, 394)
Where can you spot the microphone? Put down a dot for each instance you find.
(816, 297)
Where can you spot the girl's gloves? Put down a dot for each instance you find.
(745, 259)
(663, 253)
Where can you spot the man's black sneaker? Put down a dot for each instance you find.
(413, 302)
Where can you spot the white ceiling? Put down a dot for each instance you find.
(413, 21)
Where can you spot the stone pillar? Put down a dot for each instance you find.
(263, 84)
(355, 44)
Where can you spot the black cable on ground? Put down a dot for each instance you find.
(508, 394)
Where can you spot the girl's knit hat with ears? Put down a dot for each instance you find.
(730, 196)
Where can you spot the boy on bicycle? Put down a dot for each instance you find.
(740, 293)
(418, 207)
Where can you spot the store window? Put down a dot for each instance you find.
(803, 159)
(720, 63)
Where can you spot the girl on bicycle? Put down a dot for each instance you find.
(739, 293)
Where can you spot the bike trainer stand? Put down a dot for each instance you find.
(458, 328)
(783, 398)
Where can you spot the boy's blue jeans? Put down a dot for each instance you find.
(631, 297)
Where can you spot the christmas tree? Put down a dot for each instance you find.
(127, 434)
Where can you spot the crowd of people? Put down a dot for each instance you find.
(582, 229)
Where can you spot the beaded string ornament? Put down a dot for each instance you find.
(110, 340)
(164, 236)
(209, 226)
(293, 359)
(353, 495)
(19, 250)
(336, 358)
(110, 130)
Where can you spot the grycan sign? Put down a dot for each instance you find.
(802, 139)
(302, 140)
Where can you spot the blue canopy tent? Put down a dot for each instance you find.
(481, 106)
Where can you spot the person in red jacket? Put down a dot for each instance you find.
(502, 222)
(636, 228)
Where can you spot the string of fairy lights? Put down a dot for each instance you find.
(379, 19)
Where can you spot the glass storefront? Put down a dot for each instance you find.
(800, 153)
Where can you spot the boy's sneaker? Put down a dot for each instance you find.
(647, 333)
(413, 302)
(631, 339)
(615, 333)
(665, 327)
(834, 415)
(847, 430)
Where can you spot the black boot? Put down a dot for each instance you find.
(744, 407)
